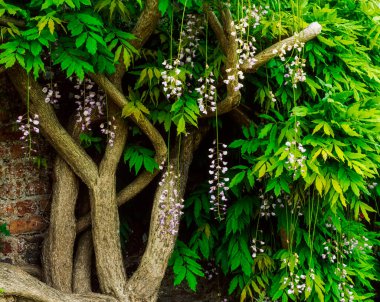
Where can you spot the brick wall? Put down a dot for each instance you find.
(24, 188)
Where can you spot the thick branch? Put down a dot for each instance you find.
(82, 264)
(145, 282)
(309, 33)
(232, 98)
(64, 144)
(113, 152)
(15, 282)
(217, 28)
(58, 249)
(143, 123)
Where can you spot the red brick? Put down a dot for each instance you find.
(26, 207)
(3, 152)
(36, 188)
(27, 225)
(6, 247)
(6, 210)
(16, 151)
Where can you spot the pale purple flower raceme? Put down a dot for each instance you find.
(218, 181)
(170, 204)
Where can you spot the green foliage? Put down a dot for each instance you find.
(87, 140)
(185, 265)
(303, 199)
(138, 157)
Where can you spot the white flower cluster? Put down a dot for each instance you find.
(171, 82)
(296, 72)
(267, 206)
(211, 271)
(27, 128)
(288, 47)
(372, 185)
(52, 93)
(88, 101)
(108, 129)
(218, 187)
(346, 293)
(272, 96)
(170, 206)
(296, 159)
(189, 40)
(257, 247)
(207, 93)
(232, 79)
(331, 250)
(296, 284)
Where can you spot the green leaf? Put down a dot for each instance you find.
(163, 6)
(91, 45)
(80, 40)
(180, 275)
(191, 280)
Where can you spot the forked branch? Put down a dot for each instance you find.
(54, 132)
(309, 33)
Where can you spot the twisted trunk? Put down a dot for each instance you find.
(145, 282)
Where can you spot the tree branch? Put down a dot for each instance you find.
(145, 282)
(143, 123)
(113, 153)
(58, 247)
(232, 98)
(15, 282)
(217, 28)
(82, 264)
(64, 144)
(309, 33)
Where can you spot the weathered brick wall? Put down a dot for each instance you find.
(24, 188)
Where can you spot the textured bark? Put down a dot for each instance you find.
(105, 219)
(15, 282)
(82, 264)
(145, 282)
(58, 246)
(309, 33)
(58, 249)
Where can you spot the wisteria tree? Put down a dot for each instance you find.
(160, 70)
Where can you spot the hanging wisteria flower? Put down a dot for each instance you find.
(108, 129)
(189, 42)
(296, 72)
(207, 93)
(257, 247)
(88, 101)
(267, 206)
(218, 187)
(27, 127)
(170, 205)
(52, 93)
(272, 96)
(172, 84)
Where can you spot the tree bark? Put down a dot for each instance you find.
(145, 282)
(82, 264)
(58, 248)
(16, 283)
(105, 219)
